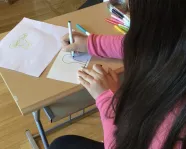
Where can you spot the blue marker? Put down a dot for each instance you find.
(82, 29)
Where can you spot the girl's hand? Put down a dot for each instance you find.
(79, 45)
(96, 80)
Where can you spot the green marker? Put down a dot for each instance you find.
(126, 29)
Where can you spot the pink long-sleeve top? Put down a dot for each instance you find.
(110, 46)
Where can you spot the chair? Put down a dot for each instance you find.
(89, 3)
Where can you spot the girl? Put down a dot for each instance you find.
(148, 110)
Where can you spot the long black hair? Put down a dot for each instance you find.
(155, 74)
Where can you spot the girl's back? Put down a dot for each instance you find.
(152, 97)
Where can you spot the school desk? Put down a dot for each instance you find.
(32, 94)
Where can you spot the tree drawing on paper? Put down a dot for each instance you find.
(21, 42)
(68, 59)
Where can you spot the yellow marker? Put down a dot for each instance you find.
(119, 29)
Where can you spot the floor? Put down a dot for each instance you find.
(10, 15)
(12, 124)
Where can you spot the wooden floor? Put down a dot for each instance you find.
(10, 15)
(12, 124)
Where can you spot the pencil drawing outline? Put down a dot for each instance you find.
(21, 42)
(76, 61)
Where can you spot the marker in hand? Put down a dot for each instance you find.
(82, 29)
(70, 35)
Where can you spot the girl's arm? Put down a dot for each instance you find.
(105, 46)
(107, 117)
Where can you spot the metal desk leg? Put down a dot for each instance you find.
(36, 116)
(43, 133)
(31, 140)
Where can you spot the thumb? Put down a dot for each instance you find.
(69, 48)
(113, 75)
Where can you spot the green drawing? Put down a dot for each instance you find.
(21, 42)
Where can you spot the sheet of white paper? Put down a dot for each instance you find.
(65, 67)
(31, 46)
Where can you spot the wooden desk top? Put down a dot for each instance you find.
(32, 93)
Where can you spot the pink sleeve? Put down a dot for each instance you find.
(164, 129)
(105, 46)
(103, 103)
(107, 118)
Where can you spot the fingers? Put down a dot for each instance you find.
(91, 72)
(79, 43)
(99, 69)
(96, 72)
(113, 75)
(84, 83)
(65, 40)
(70, 47)
(85, 76)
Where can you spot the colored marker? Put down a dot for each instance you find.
(116, 18)
(123, 27)
(82, 29)
(118, 29)
(110, 21)
(70, 35)
(125, 21)
(119, 22)
(115, 23)
(118, 13)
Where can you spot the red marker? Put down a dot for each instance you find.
(119, 22)
(111, 21)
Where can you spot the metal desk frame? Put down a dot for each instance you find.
(42, 133)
